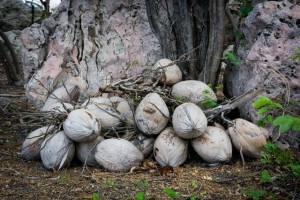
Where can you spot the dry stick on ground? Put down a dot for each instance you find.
(243, 99)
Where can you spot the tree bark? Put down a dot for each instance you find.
(192, 28)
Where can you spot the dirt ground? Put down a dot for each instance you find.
(21, 179)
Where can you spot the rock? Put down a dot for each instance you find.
(271, 38)
(13, 15)
(89, 43)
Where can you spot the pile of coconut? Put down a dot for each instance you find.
(110, 132)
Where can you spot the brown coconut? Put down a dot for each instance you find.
(189, 121)
(57, 151)
(81, 126)
(32, 143)
(152, 114)
(213, 146)
(118, 155)
(193, 91)
(171, 72)
(85, 151)
(248, 137)
(169, 149)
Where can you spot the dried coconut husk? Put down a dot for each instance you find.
(108, 116)
(189, 121)
(96, 100)
(247, 137)
(169, 149)
(85, 152)
(171, 74)
(193, 91)
(32, 143)
(213, 146)
(143, 143)
(61, 107)
(67, 93)
(57, 151)
(81, 126)
(121, 105)
(118, 155)
(152, 114)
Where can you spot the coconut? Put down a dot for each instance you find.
(81, 126)
(247, 137)
(152, 114)
(213, 146)
(121, 105)
(61, 107)
(169, 149)
(193, 91)
(143, 143)
(96, 100)
(67, 93)
(172, 74)
(107, 115)
(85, 152)
(118, 155)
(57, 151)
(32, 144)
(189, 121)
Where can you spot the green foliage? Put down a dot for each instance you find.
(208, 101)
(295, 168)
(231, 58)
(246, 9)
(64, 176)
(287, 122)
(110, 183)
(239, 35)
(296, 55)
(172, 193)
(220, 87)
(265, 176)
(181, 99)
(140, 196)
(274, 153)
(95, 196)
(284, 122)
(194, 183)
(132, 63)
(254, 194)
(143, 185)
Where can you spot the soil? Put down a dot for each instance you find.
(20, 179)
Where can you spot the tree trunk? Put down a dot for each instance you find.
(193, 29)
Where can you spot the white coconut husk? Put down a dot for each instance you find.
(61, 107)
(213, 146)
(108, 116)
(57, 151)
(193, 91)
(248, 137)
(172, 74)
(32, 143)
(189, 121)
(143, 143)
(85, 152)
(152, 114)
(67, 93)
(169, 149)
(96, 100)
(81, 126)
(118, 155)
(121, 105)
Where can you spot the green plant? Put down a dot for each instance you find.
(296, 55)
(207, 99)
(140, 196)
(284, 122)
(265, 176)
(142, 184)
(172, 193)
(111, 183)
(64, 176)
(231, 58)
(95, 196)
(254, 194)
(246, 9)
